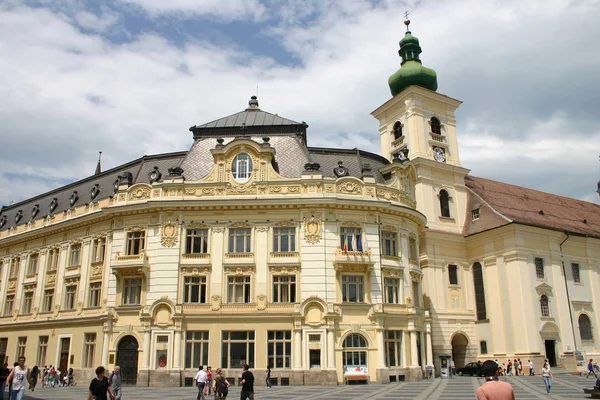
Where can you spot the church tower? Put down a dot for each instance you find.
(423, 121)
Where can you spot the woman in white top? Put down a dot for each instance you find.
(547, 376)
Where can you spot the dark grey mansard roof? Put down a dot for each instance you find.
(139, 169)
(286, 137)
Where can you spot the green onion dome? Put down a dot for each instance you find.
(411, 71)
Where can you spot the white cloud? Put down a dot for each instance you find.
(91, 21)
(228, 10)
(66, 94)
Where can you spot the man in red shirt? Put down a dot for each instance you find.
(493, 389)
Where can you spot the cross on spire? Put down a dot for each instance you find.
(406, 20)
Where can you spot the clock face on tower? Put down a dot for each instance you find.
(439, 154)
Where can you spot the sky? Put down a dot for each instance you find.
(129, 77)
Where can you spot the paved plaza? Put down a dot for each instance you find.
(460, 388)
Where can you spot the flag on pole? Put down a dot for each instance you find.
(365, 242)
(345, 248)
(354, 243)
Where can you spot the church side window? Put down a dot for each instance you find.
(575, 271)
(585, 327)
(539, 267)
(479, 292)
(444, 203)
(397, 130)
(544, 306)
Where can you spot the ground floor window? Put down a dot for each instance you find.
(42, 350)
(196, 348)
(89, 350)
(279, 353)
(355, 350)
(237, 349)
(393, 348)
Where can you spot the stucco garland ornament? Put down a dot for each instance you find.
(312, 230)
(169, 234)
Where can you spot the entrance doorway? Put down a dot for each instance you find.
(127, 359)
(459, 349)
(551, 352)
(65, 345)
(314, 356)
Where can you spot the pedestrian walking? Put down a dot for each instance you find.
(209, 379)
(531, 369)
(4, 372)
(19, 376)
(99, 386)
(590, 369)
(35, 375)
(116, 382)
(547, 376)
(220, 385)
(268, 380)
(200, 379)
(494, 389)
(516, 367)
(247, 384)
(520, 366)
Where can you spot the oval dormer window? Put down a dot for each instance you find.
(241, 167)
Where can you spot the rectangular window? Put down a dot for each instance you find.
(284, 240)
(238, 289)
(279, 349)
(416, 294)
(196, 241)
(392, 290)
(98, 250)
(239, 240)
(351, 239)
(27, 301)
(9, 305)
(3, 347)
(70, 294)
(453, 274)
(95, 291)
(53, 256)
(575, 271)
(539, 267)
(412, 249)
(14, 267)
(136, 242)
(33, 264)
(393, 348)
(389, 244)
(237, 348)
(475, 214)
(284, 289)
(42, 350)
(48, 300)
(75, 258)
(132, 291)
(353, 288)
(194, 289)
(196, 348)
(89, 350)
(483, 347)
(21, 344)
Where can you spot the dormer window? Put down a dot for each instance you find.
(397, 130)
(475, 214)
(436, 126)
(53, 205)
(74, 198)
(241, 167)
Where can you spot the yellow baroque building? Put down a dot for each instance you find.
(329, 265)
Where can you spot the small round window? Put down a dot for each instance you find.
(241, 168)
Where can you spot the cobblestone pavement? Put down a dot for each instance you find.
(565, 387)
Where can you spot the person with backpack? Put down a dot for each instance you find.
(590, 368)
(220, 385)
(209, 379)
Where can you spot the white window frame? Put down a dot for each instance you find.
(359, 282)
(235, 284)
(136, 242)
(286, 349)
(395, 284)
(189, 283)
(284, 235)
(282, 288)
(132, 291)
(241, 167)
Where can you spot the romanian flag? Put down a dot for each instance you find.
(345, 248)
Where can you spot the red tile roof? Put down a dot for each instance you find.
(509, 203)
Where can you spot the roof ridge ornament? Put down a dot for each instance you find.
(253, 104)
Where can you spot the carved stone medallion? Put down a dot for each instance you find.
(169, 234)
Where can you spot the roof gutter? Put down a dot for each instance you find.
(562, 260)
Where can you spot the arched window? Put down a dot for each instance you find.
(436, 126)
(444, 203)
(397, 130)
(585, 327)
(479, 292)
(355, 350)
(544, 306)
(241, 167)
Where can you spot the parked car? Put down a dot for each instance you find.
(472, 369)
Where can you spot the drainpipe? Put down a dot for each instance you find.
(562, 260)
